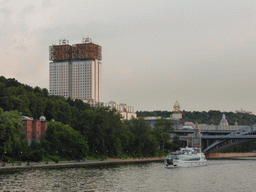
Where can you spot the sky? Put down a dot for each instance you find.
(200, 53)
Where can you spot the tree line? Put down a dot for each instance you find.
(79, 131)
(36, 102)
(96, 132)
(211, 117)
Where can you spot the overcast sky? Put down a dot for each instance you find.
(154, 52)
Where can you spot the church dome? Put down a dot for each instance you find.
(223, 121)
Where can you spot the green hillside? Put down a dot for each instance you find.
(210, 117)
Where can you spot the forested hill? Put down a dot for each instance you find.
(210, 117)
(84, 132)
(36, 102)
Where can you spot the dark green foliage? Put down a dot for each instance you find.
(153, 113)
(56, 159)
(107, 135)
(78, 106)
(64, 141)
(177, 141)
(6, 159)
(102, 129)
(209, 118)
(162, 129)
(246, 147)
(20, 150)
(145, 143)
(10, 130)
(98, 132)
(171, 146)
(37, 155)
(36, 102)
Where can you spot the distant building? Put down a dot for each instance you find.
(189, 123)
(127, 112)
(34, 129)
(223, 121)
(176, 107)
(243, 111)
(75, 71)
(152, 120)
(176, 115)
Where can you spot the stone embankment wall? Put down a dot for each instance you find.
(71, 164)
(229, 155)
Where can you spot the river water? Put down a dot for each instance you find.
(218, 175)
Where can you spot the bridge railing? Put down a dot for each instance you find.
(219, 127)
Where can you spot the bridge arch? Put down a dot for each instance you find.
(225, 142)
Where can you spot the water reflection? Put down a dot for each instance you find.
(216, 176)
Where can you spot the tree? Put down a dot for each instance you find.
(10, 130)
(177, 141)
(102, 129)
(77, 106)
(145, 142)
(64, 141)
(162, 129)
(171, 146)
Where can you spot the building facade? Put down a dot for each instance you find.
(76, 71)
(127, 112)
(223, 121)
(34, 129)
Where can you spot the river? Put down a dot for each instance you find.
(218, 175)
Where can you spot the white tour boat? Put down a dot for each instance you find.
(186, 157)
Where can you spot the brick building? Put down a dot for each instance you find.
(34, 129)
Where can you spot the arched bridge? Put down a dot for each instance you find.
(222, 143)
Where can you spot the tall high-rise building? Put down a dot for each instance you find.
(75, 71)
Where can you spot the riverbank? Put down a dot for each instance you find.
(70, 164)
(231, 156)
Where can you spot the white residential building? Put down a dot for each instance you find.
(127, 112)
(76, 72)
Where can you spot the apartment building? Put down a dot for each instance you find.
(76, 71)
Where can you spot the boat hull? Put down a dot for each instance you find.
(185, 161)
(186, 164)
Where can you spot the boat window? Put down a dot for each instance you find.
(189, 157)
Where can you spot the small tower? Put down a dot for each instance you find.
(176, 107)
(176, 115)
